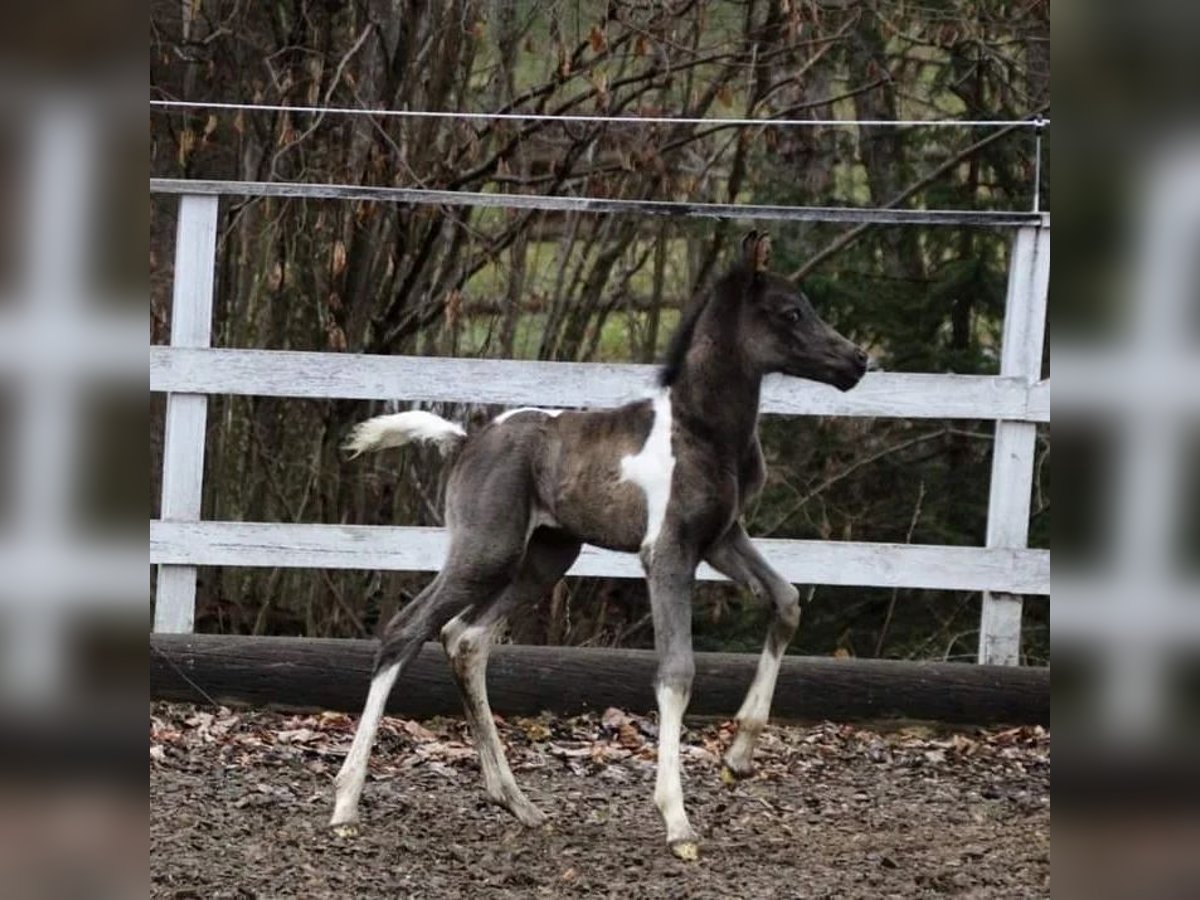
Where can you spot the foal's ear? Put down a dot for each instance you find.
(756, 251)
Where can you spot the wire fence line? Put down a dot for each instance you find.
(1037, 122)
(679, 209)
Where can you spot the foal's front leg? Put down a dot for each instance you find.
(736, 557)
(671, 578)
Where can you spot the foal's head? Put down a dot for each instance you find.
(780, 330)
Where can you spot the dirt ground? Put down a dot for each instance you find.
(239, 802)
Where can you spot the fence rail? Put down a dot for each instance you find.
(189, 370)
(836, 214)
(289, 373)
(420, 549)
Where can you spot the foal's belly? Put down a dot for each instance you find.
(602, 510)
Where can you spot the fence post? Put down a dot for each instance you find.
(1015, 443)
(183, 441)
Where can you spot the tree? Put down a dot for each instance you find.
(379, 278)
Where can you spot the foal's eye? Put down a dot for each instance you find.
(793, 315)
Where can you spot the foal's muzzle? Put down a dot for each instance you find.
(850, 369)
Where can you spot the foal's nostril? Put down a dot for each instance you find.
(860, 355)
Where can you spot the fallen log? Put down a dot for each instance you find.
(309, 673)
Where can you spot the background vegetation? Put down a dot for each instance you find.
(382, 278)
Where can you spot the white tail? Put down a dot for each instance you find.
(415, 426)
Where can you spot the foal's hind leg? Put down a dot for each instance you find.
(460, 584)
(411, 620)
(735, 556)
(468, 639)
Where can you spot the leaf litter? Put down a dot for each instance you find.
(239, 801)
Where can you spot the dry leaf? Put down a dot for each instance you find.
(287, 134)
(570, 752)
(453, 308)
(335, 338)
(614, 718)
(297, 736)
(597, 39)
(445, 751)
(534, 730)
(413, 729)
(187, 143)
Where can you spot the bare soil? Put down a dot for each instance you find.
(239, 802)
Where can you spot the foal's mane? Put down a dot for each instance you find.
(681, 340)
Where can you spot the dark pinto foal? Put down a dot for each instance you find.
(666, 477)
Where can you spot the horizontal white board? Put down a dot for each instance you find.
(72, 575)
(1123, 380)
(385, 194)
(1094, 607)
(262, 544)
(284, 373)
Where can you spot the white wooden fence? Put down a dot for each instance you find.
(189, 369)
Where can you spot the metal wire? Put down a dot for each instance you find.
(622, 120)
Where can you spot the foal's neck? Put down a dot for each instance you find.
(716, 393)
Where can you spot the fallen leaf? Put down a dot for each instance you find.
(614, 718)
(570, 752)
(534, 730)
(413, 729)
(335, 720)
(297, 736)
(629, 737)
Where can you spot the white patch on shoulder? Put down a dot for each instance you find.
(508, 414)
(652, 467)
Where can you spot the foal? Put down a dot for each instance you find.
(667, 478)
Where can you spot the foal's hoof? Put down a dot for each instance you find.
(731, 776)
(530, 816)
(520, 808)
(688, 851)
(346, 830)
